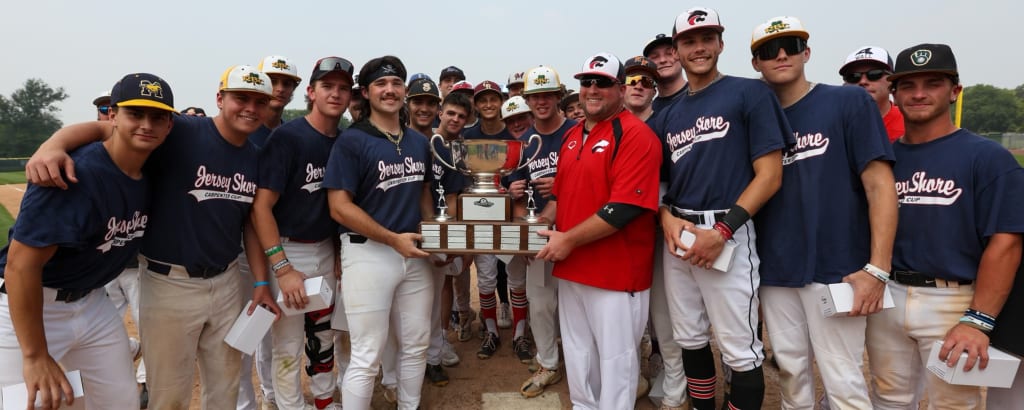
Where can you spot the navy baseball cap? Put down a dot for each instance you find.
(327, 65)
(658, 40)
(143, 90)
(925, 58)
(423, 87)
(452, 71)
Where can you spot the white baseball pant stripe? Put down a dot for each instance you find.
(899, 341)
(384, 292)
(674, 382)
(542, 296)
(700, 298)
(84, 335)
(801, 336)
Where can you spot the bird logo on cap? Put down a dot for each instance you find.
(697, 16)
(776, 27)
(151, 89)
(865, 53)
(540, 80)
(253, 78)
(598, 62)
(921, 57)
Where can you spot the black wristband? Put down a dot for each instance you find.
(736, 217)
(619, 214)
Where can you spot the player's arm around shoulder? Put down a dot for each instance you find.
(51, 158)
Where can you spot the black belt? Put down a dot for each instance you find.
(297, 240)
(696, 218)
(356, 238)
(202, 273)
(912, 278)
(63, 295)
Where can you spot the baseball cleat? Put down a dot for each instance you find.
(523, 348)
(437, 375)
(489, 346)
(535, 385)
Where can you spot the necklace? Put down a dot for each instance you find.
(394, 138)
(692, 92)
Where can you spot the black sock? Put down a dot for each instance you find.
(699, 366)
(747, 389)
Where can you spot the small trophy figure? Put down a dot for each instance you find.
(531, 206)
(442, 205)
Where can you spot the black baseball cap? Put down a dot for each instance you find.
(424, 87)
(643, 65)
(327, 65)
(143, 90)
(658, 40)
(452, 71)
(925, 58)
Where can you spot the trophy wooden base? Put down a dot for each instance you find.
(483, 238)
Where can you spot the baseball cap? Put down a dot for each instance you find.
(518, 77)
(419, 76)
(925, 58)
(514, 106)
(279, 65)
(643, 65)
(605, 65)
(658, 40)
(424, 87)
(569, 99)
(780, 26)
(327, 65)
(143, 90)
(245, 78)
(452, 71)
(868, 53)
(696, 18)
(485, 86)
(102, 99)
(463, 86)
(541, 79)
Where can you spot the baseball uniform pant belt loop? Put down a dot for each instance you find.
(297, 240)
(201, 273)
(56, 295)
(698, 217)
(356, 238)
(912, 278)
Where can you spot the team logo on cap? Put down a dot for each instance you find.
(865, 53)
(640, 60)
(280, 64)
(776, 27)
(426, 86)
(151, 89)
(487, 86)
(519, 75)
(921, 57)
(511, 107)
(253, 78)
(540, 80)
(697, 16)
(388, 69)
(598, 62)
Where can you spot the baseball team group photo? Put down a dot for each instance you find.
(661, 223)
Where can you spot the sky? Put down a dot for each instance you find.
(86, 46)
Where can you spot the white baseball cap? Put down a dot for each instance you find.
(245, 78)
(777, 27)
(514, 106)
(603, 64)
(868, 53)
(697, 18)
(518, 77)
(104, 96)
(279, 65)
(541, 79)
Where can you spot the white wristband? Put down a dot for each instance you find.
(877, 272)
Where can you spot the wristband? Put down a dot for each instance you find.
(260, 283)
(981, 315)
(977, 324)
(272, 250)
(735, 218)
(280, 265)
(723, 229)
(877, 272)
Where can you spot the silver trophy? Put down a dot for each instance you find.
(531, 205)
(485, 160)
(442, 205)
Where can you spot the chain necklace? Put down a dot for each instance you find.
(693, 92)
(394, 138)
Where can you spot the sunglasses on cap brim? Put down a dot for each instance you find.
(770, 49)
(873, 75)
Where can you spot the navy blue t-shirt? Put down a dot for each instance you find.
(662, 101)
(96, 224)
(259, 137)
(955, 192)
(816, 227)
(711, 139)
(476, 132)
(546, 163)
(383, 183)
(202, 192)
(292, 164)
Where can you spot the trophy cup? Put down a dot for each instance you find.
(484, 222)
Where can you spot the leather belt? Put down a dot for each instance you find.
(202, 273)
(356, 238)
(698, 217)
(296, 240)
(63, 295)
(912, 278)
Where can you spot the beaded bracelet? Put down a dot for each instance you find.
(877, 272)
(724, 229)
(260, 283)
(273, 250)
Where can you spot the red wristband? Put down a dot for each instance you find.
(722, 228)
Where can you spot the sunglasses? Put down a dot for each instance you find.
(644, 81)
(334, 64)
(104, 109)
(873, 75)
(770, 49)
(600, 82)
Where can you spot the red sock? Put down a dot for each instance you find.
(488, 307)
(520, 308)
(321, 403)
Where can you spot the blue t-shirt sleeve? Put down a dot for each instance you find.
(276, 162)
(1000, 192)
(770, 129)
(866, 139)
(344, 168)
(50, 216)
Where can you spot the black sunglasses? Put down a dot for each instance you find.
(873, 75)
(600, 82)
(770, 49)
(334, 64)
(104, 109)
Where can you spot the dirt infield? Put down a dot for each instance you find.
(10, 197)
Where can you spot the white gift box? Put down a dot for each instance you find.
(1000, 372)
(15, 397)
(837, 299)
(320, 296)
(248, 331)
(724, 260)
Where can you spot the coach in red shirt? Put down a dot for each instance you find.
(606, 192)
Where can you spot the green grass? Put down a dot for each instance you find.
(5, 225)
(1020, 159)
(12, 177)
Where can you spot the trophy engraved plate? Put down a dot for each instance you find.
(483, 223)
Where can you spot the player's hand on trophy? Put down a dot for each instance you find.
(867, 293)
(558, 247)
(543, 186)
(517, 189)
(405, 245)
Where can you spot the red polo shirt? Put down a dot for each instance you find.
(893, 122)
(588, 178)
